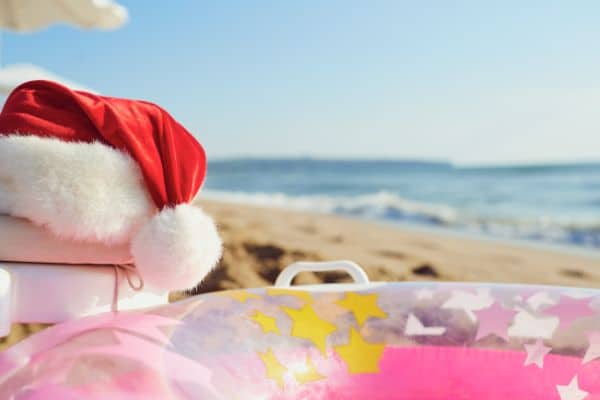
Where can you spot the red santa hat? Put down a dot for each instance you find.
(102, 169)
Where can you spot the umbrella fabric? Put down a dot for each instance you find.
(32, 15)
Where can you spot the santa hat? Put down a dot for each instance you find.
(102, 169)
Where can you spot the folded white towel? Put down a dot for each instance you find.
(21, 241)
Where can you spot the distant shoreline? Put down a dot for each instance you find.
(414, 161)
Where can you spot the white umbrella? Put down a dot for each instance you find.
(13, 75)
(31, 15)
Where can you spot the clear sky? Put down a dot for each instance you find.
(469, 82)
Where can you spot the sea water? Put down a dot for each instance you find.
(546, 203)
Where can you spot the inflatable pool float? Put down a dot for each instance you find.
(417, 341)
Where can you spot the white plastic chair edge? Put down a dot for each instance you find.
(286, 276)
(6, 302)
(69, 292)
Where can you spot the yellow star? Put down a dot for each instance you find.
(306, 324)
(240, 295)
(308, 373)
(304, 296)
(362, 306)
(267, 323)
(275, 370)
(361, 357)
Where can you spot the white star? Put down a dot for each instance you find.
(571, 391)
(529, 326)
(539, 299)
(593, 351)
(424, 294)
(414, 327)
(536, 353)
(469, 302)
(518, 298)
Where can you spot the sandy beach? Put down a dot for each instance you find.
(260, 242)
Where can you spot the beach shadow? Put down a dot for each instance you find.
(426, 270)
(391, 254)
(264, 252)
(573, 273)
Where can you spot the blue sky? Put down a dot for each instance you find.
(462, 81)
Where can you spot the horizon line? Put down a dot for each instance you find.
(423, 160)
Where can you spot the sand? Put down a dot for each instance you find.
(260, 242)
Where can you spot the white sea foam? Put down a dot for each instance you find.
(380, 205)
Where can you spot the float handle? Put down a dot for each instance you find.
(286, 276)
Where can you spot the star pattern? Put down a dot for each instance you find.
(274, 368)
(469, 302)
(360, 356)
(304, 296)
(569, 309)
(539, 299)
(424, 294)
(314, 344)
(309, 373)
(494, 320)
(572, 391)
(593, 350)
(362, 306)
(240, 295)
(536, 352)
(528, 325)
(306, 324)
(267, 323)
(414, 327)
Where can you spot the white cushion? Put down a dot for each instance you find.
(21, 241)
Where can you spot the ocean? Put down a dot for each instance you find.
(552, 204)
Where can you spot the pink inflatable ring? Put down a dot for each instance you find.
(410, 341)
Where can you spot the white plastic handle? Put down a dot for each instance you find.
(286, 276)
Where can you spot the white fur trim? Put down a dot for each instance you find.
(176, 248)
(81, 191)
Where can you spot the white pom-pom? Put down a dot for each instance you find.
(176, 248)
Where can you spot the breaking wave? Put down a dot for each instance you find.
(387, 206)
